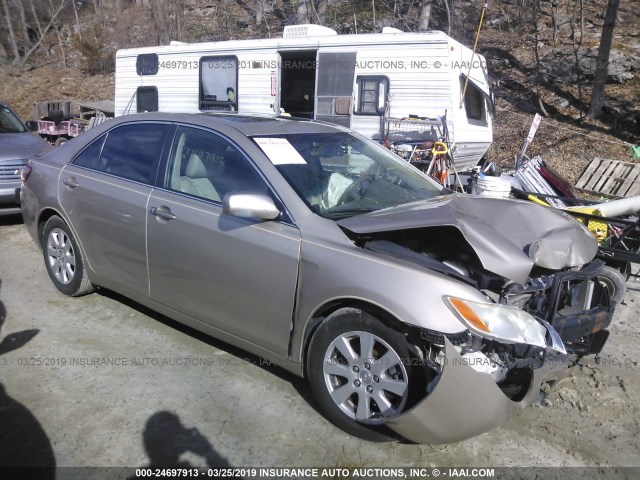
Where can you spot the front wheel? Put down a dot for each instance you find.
(63, 259)
(360, 372)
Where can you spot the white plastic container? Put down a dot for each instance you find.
(497, 187)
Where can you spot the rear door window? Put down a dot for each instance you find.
(133, 151)
(89, 156)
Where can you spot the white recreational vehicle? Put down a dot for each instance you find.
(360, 81)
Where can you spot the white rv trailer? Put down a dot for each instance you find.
(359, 81)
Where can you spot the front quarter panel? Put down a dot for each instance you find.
(334, 271)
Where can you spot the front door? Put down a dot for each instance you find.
(235, 274)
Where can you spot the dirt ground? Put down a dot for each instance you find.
(227, 408)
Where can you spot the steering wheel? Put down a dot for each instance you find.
(356, 190)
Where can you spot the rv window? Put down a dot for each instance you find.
(147, 99)
(147, 64)
(473, 102)
(219, 83)
(371, 95)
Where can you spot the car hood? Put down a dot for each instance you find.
(508, 236)
(20, 146)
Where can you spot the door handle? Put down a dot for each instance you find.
(71, 182)
(163, 212)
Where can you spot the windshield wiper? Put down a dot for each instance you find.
(347, 212)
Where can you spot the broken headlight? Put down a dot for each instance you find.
(498, 322)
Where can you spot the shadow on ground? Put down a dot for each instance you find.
(166, 440)
(23, 441)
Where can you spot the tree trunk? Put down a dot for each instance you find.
(24, 27)
(322, 12)
(446, 4)
(38, 24)
(12, 35)
(602, 61)
(577, 44)
(536, 15)
(160, 14)
(302, 13)
(425, 15)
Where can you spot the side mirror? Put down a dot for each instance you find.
(250, 205)
(32, 125)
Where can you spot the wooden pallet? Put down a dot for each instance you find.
(611, 178)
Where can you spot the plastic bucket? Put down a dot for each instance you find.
(497, 187)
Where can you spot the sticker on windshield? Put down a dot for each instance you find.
(280, 151)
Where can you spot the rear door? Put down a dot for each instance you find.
(104, 192)
(235, 274)
(334, 86)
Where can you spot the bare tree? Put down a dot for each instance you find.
(36, 19)
(302, 12)
(12, 36)
(602, 60)
(577, 44)
(54, 13)
(322, 11)
(536, 45)
(24, 26)
(446, 5)
(425, 15)
(168, 18)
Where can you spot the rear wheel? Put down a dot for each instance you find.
(360, 372)
(63, 259)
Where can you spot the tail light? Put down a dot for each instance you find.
(24, 173)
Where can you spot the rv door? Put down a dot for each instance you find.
(334, 87)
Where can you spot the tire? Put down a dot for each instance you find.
(614, 281)
(63, 259)
(61, 141)
(363, 390)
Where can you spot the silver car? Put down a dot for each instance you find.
(411, 310)
(17, 145)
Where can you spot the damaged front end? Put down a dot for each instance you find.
(544, 308)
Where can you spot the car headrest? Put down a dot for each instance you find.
(195, 167)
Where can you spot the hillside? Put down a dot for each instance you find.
(75, 59)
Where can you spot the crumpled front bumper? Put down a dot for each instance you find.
(466, 403)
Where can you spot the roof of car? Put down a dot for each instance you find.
(249, 125)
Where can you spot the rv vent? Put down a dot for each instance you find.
(391, 30)
(309, 30)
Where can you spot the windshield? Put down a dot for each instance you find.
(9, 123)
(339, 175)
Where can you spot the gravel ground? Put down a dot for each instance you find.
(56, 406)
